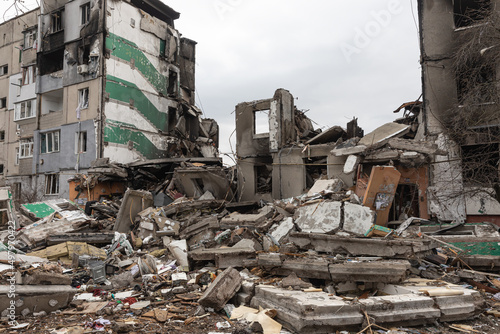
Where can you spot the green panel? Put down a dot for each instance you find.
(118, 135)
(163, 46)
(479, 248)
(125, 91)
(41, 210)
(127, 50)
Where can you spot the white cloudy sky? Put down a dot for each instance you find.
(340, 59)
(249, 48)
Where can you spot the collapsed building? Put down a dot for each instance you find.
(98, 79)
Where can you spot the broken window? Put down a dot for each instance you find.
(172, 119)
(261, 122)
(81, 142)
(83, 98)
(49, 142)
(16, 162)
(3, 102)
(24, 110)
(83, 54)
(56, 21)
(28, 75)
(1, 168)
(4, 69)
(172, 83)
(29, 38)
(85, 13)
(467, 12)
(52, 62)
(26, 148)
(2, 135)
(264, 178)
(476, 83)
(316, 169)
(51, 184)
(480, 164)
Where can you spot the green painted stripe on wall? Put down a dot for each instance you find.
(127, 50)
(118, 135)
(125, 91)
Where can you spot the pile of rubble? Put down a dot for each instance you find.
(316, 263)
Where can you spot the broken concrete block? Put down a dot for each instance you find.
(407, 310)
(326, 186)
(134, 201)
(308, 312)
(380, 271)
(324, 217)
(280, 231)
(179, 249)
(351, 164)
(333, 244)
(37, 298)
(357, 218)
(46, 278)
(246, 220)
(223, 288)
(294, 282)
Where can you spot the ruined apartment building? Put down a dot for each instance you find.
(18, 38)
(99, 79)
(453, 192)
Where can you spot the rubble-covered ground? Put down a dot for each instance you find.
(316, 263)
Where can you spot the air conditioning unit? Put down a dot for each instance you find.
(82, 69)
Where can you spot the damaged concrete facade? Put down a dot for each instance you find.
(454, 191)
(106, 79)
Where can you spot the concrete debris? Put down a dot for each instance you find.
(319, 231)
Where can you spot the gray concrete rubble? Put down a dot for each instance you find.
(221, 289)
(320, 312)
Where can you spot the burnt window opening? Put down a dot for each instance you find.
(261, 122)
(468, 12)
(476, 83)
(172, 83)
(480, 164)
(263, 178)
(83, 54)
(172, 119)
(316, 169)
(56, 21)
(52, 62)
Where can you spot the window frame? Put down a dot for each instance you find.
(21, 107)
(85, 13)
(52, 184)
(4, 69)
(56, 15)
(79, 142)
(28, 75)
(2, 135)
(83, 98)
(26, 145)
(3, 102)
(50, 142)
(31, 34)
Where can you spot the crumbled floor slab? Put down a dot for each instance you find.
(378, 271)
(320, 312)
(332, 244)
(323, 217)
(246, 220)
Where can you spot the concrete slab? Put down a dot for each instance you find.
(223, 288)
(379, 271)
(326, 186)
(282, 230)
(36, 298)
(246, 220)
(357, 218)
(408, 310)
(401, 249)
(324, 217)
(308, 312)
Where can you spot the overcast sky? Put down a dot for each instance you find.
(339, 59)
